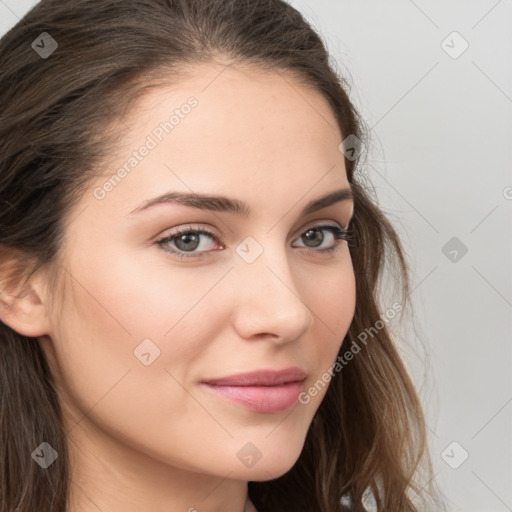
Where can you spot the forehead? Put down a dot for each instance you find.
(238, 107)
(248, 131)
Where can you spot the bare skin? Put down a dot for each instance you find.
(152, 437)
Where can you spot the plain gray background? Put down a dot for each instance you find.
(440, 162)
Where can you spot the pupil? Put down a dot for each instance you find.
(187, 238)
(312, 235)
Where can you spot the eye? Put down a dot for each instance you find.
(314, 237)
(184, 242)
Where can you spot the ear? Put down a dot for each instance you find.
(23, 310)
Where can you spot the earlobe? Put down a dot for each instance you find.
(24, 311)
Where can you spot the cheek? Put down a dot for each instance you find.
(332, 298)
(145, 322)
(104, 320)
(333, 302)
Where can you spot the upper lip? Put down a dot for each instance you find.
(260, 378)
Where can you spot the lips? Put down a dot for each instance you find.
(263, 391)
(261, 378)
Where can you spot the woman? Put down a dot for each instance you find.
(189, 270)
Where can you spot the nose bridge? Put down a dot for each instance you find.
(266, 290)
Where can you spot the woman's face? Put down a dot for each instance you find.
(141, 328)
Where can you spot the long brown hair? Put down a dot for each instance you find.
(368, 435)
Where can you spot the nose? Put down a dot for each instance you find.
(267, 301)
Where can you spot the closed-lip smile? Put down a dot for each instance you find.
(264, 391)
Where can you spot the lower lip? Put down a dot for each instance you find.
(261, 398)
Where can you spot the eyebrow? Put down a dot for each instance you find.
(216, 203)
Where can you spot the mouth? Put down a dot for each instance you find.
(263, 391)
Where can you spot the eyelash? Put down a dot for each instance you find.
(338, 233)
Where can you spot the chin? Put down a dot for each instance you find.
(266, 473)
(273, 462)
